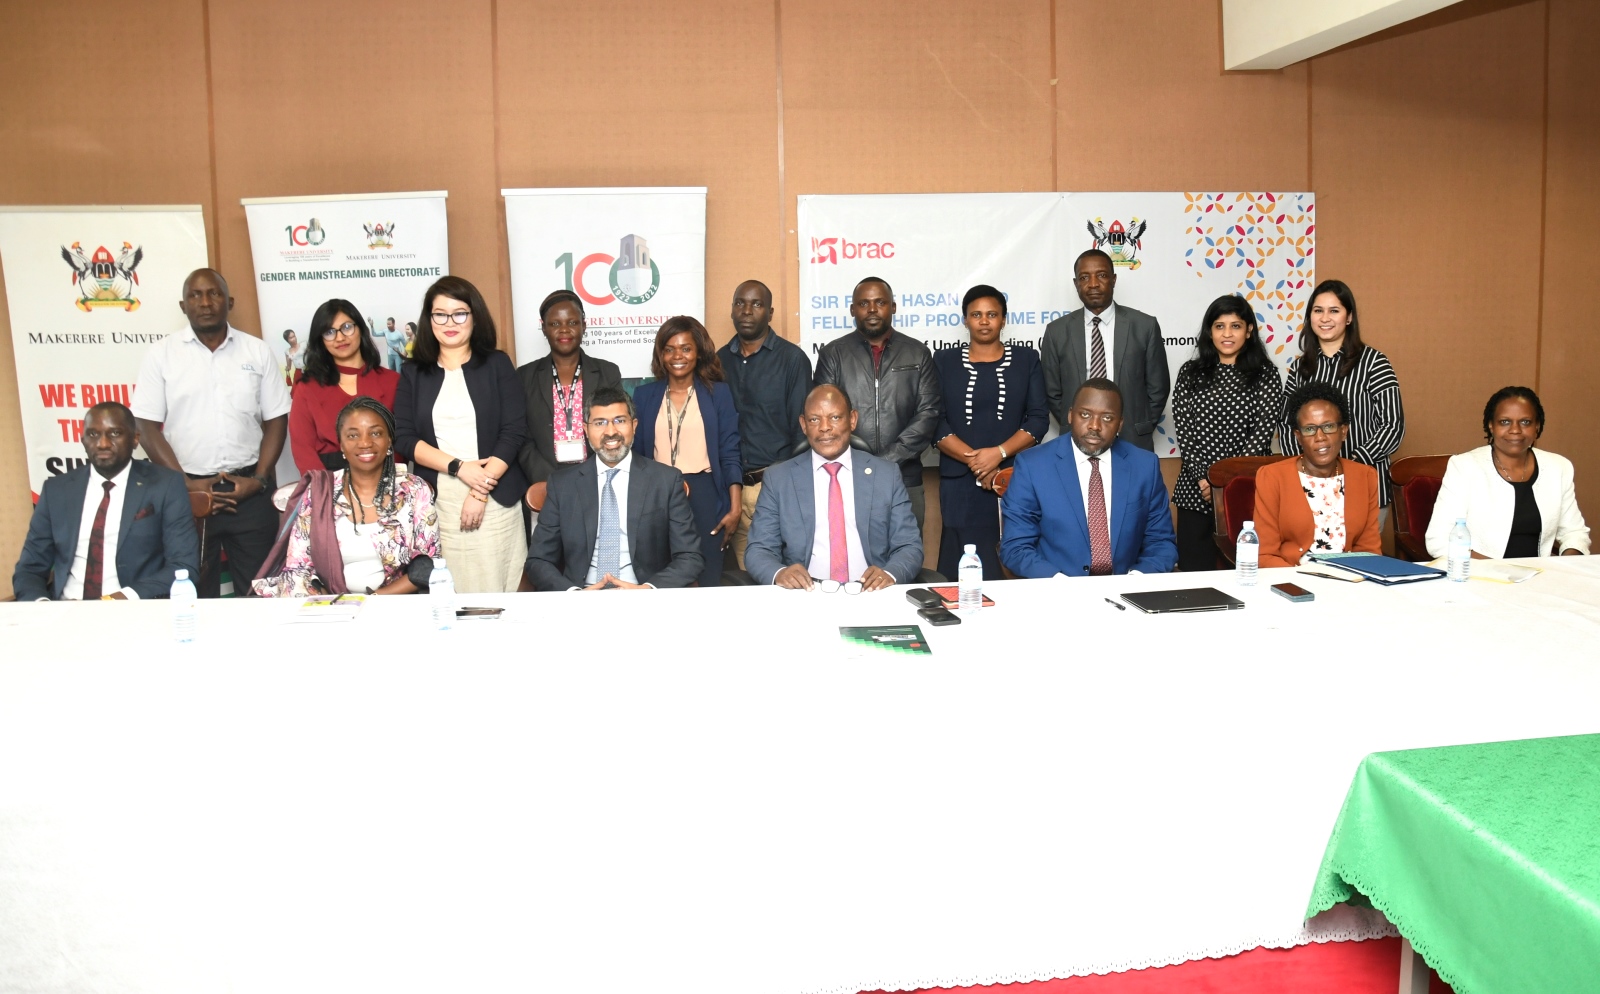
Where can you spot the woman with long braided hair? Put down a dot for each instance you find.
(359, 529)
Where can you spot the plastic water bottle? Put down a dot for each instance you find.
(442, 594)
(185, 600)
(1460, 562)
(969, 578)
(1247, 555)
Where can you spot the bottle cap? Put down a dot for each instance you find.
(181, 574)
(970, 548)
(1249, 524)
(1461, 521)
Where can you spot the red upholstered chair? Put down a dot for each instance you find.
(1413, 487)
(1233, 497)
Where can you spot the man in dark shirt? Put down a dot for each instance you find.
(769, 377)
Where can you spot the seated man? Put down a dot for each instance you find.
(1091, 504)
(116, 533)
(834, 512)
(612, 522)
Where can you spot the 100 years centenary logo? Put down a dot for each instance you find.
(632, 277)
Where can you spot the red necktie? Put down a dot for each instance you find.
(838, 550)
(1099, 531)
(1097, 352)
(95, 562)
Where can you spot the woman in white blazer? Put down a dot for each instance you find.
(1516, 502)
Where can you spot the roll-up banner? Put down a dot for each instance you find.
(89, 289)
(635, 255)
(1173, 254)
(379, 251)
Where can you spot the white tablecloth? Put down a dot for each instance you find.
(698, 790)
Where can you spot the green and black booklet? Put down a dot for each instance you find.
(876, 640)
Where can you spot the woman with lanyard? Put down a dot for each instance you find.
(554, 387)
(687, 420)
(995, 406)
(1331, 351)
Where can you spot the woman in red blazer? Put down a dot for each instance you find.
(1316, 502)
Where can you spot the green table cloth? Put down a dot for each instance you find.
(1487, 857)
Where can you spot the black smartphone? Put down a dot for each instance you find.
(939, 617)
(924, 597)
(467, 613)
(1294, 592)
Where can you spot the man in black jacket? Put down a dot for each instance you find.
(891, 379)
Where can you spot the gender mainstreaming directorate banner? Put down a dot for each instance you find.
(1174, 253)
(89, 290)
(636, 256)
(379, 251)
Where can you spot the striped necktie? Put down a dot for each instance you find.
(1097, 352)
(1099, 528)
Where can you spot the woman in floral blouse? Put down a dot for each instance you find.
(358, 529)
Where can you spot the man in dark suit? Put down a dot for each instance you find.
(834, 512)
(1121, 344)
(116, 533)
(614, 521)
(1088, 503)
(553, 396)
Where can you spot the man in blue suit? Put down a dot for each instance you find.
(1091, 504)
(834, 513)
(116, 533)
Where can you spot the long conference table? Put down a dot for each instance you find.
(706, 790)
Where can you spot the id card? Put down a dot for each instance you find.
(570, 451)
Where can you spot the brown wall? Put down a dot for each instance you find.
(1450, 156)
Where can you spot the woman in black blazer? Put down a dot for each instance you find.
(460, 418)
(556, 386)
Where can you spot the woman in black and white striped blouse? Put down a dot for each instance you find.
(1331, 351)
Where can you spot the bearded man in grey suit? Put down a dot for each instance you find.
(833, 513)
(1120, 344)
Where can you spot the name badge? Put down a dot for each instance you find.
(570, 451)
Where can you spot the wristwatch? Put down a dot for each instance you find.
(455, 464)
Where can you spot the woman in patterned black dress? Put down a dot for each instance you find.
(994, 407)
(1225, 403)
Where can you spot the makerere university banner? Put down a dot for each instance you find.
(379, 251)
(636, 256)
(1173, 253)
(89, 289)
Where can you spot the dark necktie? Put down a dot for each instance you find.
(94, 565)
(1097, 352)
(1099, 530)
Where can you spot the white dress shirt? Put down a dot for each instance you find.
(1108, 335)
(211, 404)
(821, 551)
(619, 487)
(95, 492)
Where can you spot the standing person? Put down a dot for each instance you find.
(341, 362)
(1225, 404)
(1120, 344)
(769, 377)
(892, 381)
(294, 360)
(210, 404)
(396, 342)
(690, 424)
(996, 408)
(554, 387)
(411, 338)
(1331, 351)
(459, 420)
(1318, 501)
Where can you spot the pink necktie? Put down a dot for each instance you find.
(1099, 531)
(838, 551)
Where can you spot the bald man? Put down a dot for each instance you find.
(211, 404)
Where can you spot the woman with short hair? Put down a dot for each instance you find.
(1517, 502)
(1317, 501)
(341, 361)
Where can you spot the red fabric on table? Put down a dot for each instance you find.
(1370, 967)
(314, 412)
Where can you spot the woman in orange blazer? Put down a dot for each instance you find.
(1316, 502)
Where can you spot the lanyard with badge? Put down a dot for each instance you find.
(569, 440)
(674, 437)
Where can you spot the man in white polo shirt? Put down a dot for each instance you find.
(210, 404)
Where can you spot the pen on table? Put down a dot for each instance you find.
(1114, 604)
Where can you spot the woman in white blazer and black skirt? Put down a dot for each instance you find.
(1517, 502)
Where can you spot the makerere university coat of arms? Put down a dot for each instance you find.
(1122, 244)
(104, 281)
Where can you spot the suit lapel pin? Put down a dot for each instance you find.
(868, 471)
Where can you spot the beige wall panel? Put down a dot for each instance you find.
(1427, 167)
(93, 114)
(358, 96)
(917, 97)
(1145, 104)
(622, 94)
(1569, 370)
